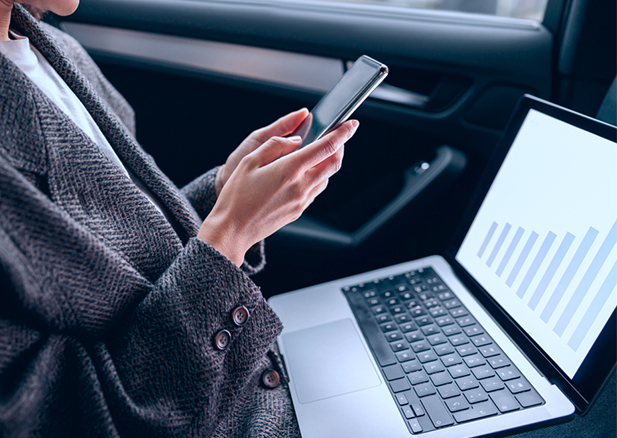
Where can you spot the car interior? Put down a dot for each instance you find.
(203, 74)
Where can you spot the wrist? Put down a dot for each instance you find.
(218, 233)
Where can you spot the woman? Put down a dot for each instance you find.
(125, 306)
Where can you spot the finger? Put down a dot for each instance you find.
(283, 126)
(327, 146)
(274, 148)
(327, 168)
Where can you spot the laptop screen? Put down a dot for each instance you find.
(543, 243)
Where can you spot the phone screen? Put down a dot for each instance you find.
(342, 100)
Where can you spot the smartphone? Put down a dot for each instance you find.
(343, 99)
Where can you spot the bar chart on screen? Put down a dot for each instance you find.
(543, 242)
(533, 265)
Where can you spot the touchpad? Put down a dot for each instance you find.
(328, 360)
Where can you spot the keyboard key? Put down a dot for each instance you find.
(427, 356)
(529, 399)
(444, 320)
(424, 320)
(405, 355)
(408, 327)
(430, 330)
(394, 336)
(434, 367)
(416, 312)
(417, 408)
(432, 303)
(420, 346)
(436, 411)
(408, 412)
(458, 371)
(390, 301)
(447, 391)
(475, 395)
(508, 373)
(481, 340)
(466, 383)
(466, 350)
(499, 361)
(444, 349)
(451, 359)
(415, 426)
(481, 410)
(483, 372)
(456, 404)
(388, 327)
(393, 372)
(424, 389)
(402, 400)
(450, 304)
(414, 336)
(399, 346)
(445, 295)
(517, 386)
(417, 377)
(397, 310)
(457, 340)
(440, 311)
(451, 330)
(442, 378)
(474, 360)
(383, 317)
(465, 321)
(473, 330)
(492, 384)
(411, 366)
(458, 312)
(378, 309)
(504, 401)
(402, 318)
(489, 350)
(400, 385)
(437, 339)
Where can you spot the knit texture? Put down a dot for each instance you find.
(107, 311)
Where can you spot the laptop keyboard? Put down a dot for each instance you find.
(440, 365)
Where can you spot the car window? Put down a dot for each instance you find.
(530, 9)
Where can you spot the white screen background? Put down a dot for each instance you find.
(550, 259)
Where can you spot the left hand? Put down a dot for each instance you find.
(280, 128)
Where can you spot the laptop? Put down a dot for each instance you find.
(512, 327)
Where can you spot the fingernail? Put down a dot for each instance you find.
(295, 138)
(354, 128)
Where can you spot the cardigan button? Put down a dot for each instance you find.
(222, 339)
(270, 379)
(240, 315)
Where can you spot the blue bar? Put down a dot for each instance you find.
(550, 272)
(510, 251)
(521, 258)
(535, 265)
(498, 245)
(487, 239)
(567, 276)
(594, 309)
(588, 278)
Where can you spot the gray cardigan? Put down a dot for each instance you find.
(109, 312)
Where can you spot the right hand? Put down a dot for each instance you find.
(270, 188)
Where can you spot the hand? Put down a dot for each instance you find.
(270, 188)
(282, 127)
